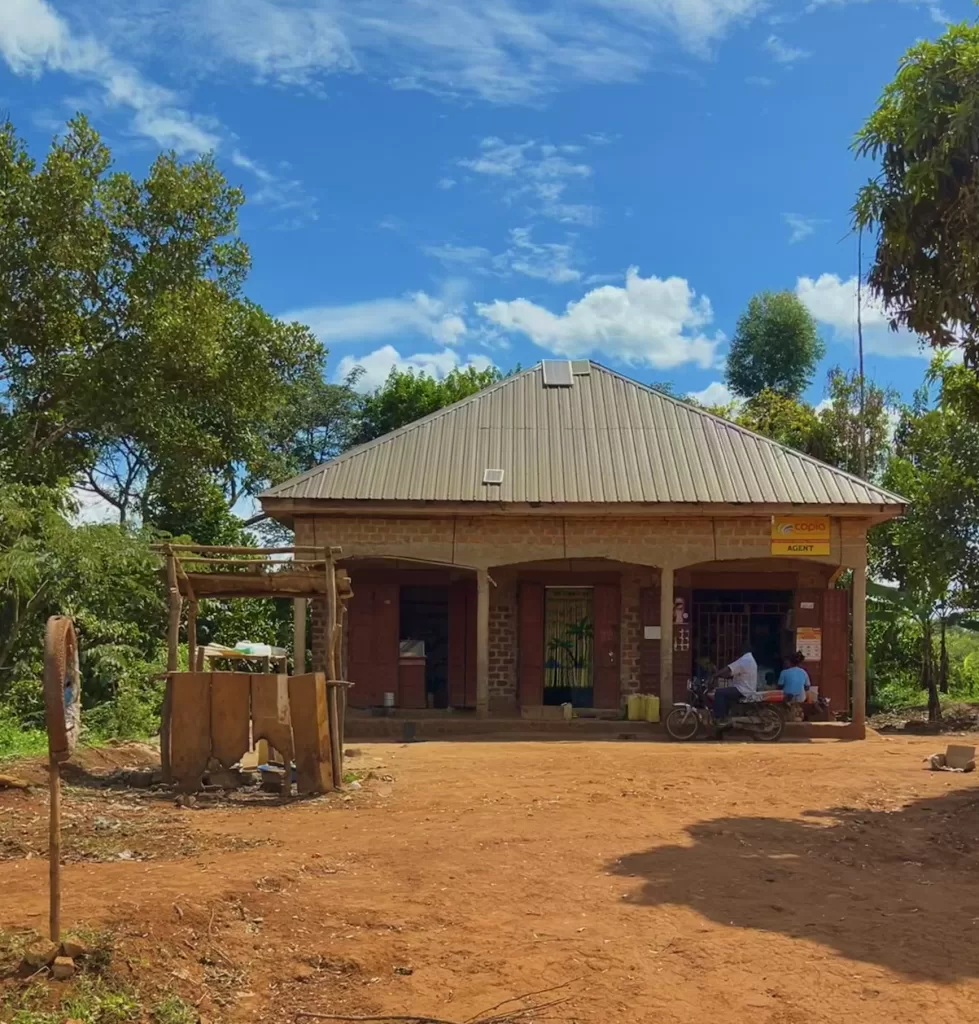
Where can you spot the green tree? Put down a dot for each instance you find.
(831, 433)
(930, 552)
(406, 396)
(775, 347)
(127, 350)
(103, 575)
(922, 203)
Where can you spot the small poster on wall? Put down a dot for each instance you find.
(809, 642)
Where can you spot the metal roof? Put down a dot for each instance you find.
(605, 438)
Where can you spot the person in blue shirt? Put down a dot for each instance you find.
(794, 680)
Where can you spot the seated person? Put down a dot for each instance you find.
(743, 674)
(794, 680)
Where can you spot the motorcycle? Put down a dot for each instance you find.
(764, 719)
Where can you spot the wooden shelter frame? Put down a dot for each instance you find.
(233, 572)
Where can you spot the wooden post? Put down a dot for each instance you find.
(859, 594)
(192, 635)
(482, 642)
(173, 651)
(665, 641)
(299, 636)
(54, 847)
(331, 615)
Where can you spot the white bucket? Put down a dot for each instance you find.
(389, 700)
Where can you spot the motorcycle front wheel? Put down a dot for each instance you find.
(682, 724)
(771, 727)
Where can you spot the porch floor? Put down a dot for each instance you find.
(425, 724)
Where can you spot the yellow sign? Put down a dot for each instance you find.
(800, 535)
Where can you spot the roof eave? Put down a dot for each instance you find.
(286, 510)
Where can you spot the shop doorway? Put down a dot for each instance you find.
(725, 621)
(569, 646)
(425, 630)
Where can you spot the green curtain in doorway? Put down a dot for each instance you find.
(568, 628)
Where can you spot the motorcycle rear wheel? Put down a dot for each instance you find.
(773, 725)
(682, 724)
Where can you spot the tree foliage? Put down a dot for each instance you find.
(776, 347)
(923, 205)
(127, 350)
(831, 431)
(930, 553)
(407, 396)
(102, 575)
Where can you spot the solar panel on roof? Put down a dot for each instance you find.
(557, 373)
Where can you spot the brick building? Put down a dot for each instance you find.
(571, 535)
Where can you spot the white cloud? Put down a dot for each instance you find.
(446, 183)
(379, 363)
(800, 226)
(535, 173)
(546, 261)
(651, 321)
(92, 508)
(502, 51)
(833, 301)
(280, 193)
(716, 393)
(782, 53)
(34, 39)
(760, 80)
(439, 319)
(454, 256)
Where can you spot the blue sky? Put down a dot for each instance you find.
(443, 182)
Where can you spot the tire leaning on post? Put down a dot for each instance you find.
(62, 703)
(62, 711)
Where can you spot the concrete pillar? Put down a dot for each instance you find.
(665, 641)
(299, 635)
(482, 642)
(859, 594)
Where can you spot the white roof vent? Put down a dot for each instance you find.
(581, 367)
(492, 476)
(557, 373)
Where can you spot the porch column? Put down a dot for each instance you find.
(665, 641)
(299, 635)
(482, 642)
(860, 642)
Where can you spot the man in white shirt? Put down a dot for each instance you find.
(743, 674)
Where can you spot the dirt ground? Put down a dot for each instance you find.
(804, 882)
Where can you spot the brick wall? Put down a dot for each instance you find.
(503, 641)
(631, 627)
(518, 543)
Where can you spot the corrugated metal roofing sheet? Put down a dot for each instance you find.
(604, 439)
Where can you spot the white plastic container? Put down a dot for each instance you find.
(389, 700)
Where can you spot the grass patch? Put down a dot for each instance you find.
(94, 996)
(18, 742)
(173, 1010)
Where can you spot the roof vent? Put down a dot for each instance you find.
(557, 373)
(581, 367)
(492, 476)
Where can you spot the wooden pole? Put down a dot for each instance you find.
(173, 663)
(482, 642)
(54, 847)
(331, 616)
(191, 636)
(665, 641)
(860, 642)
(299, 635)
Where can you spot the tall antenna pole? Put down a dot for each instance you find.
(862, 449)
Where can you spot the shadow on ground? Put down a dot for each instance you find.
(899, 889)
